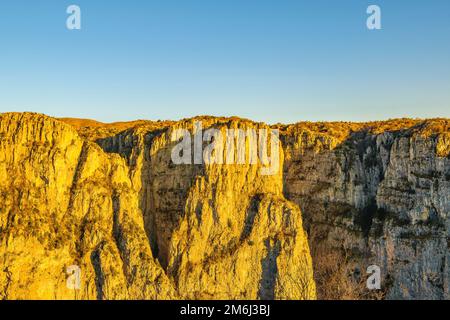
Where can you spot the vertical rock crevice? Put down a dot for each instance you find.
(269, 270)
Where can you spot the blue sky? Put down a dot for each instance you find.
(273, 61)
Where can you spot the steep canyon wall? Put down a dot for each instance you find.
(108, 198)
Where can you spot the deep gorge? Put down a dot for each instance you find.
(107, 197)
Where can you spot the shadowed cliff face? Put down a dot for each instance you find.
(380, 196)
(108, 199)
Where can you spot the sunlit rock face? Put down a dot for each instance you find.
(108, 199)
(65, 202)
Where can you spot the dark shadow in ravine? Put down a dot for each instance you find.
(99, 279)
(269, 271)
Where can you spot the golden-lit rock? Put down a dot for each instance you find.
(109, 200)
(137, 226)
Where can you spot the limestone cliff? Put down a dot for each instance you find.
(63, 202)
(109, 199)
(378, 193)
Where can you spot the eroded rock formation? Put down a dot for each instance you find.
(138, 226)
(379, 193)
(108, 198)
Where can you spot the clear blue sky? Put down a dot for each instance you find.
(277, 60)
